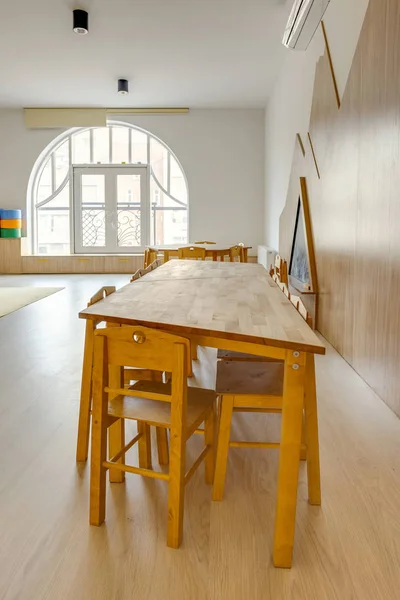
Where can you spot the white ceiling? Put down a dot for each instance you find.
(196, 53)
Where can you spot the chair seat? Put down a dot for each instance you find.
(158, 412)
(231, 355)
(250, 378)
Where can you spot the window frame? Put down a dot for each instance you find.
(49, 153)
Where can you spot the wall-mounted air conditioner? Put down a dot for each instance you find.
(303, 22)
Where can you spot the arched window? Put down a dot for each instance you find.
(107, 189)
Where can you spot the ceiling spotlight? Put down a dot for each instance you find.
(123, 87)
(81, 22)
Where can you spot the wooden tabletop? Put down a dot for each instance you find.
(242, 307)
(203, 269)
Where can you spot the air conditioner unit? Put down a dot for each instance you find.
(303, 22)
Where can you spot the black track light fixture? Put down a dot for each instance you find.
(123, 87)
(81, 22)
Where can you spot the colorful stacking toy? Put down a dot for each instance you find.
(10, 223)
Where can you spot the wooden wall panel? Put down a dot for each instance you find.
(355, 207)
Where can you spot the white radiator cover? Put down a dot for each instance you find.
(266, 256)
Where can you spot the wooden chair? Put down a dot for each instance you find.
(171, 406)
(137, 275)
(284, 288)
(85, 409)
(191, 252)
(298, 303)
(141, 272)
(150, 255)
(236, 252)
(279, 271)
(250, 386)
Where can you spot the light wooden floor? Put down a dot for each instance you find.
(348, 549)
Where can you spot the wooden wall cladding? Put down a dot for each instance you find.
(355, 206)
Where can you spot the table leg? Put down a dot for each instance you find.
(166, 256)
(245, 253)
(215, 256)
(289, 458)
(311, 433)
(82, 445)
(116, 431)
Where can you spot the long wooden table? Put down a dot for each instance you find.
(238, 307)
(213, 251)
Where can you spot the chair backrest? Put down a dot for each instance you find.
(205, 242)
(137, 275)
(284, 289)
(141, 272)
(156, 263)
(143, 348)
(192, 252)
(236, 252)
(150, 255)
(299, 305)
(280, 269)
(101, 294)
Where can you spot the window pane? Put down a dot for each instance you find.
(81, 148)
(177, 181)
(93, 210)
(120, 144)
(128, 208)
(44, 187)
(139, 147)
(168, 226)
(101, 145)
(159, 162)
(61, 157)
(158, 198)
(53, 225)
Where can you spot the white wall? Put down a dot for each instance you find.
(288, 110)
(221, 151)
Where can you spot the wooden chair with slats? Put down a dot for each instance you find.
(171, 406)
(251, 386)
(150, 255)
(236, 252)
(279, 271)
(141, 272)
(191, 252)
(85, 409)
(284, 288)
(137, 275)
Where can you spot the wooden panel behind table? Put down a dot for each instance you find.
(355, 207)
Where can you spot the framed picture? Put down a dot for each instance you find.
(302, 269)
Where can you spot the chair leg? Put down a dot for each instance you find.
(176, 489)
(225, 419)
(162, 446)
(82, 446)
(144, 446)
(209, 440)
(116, 433)
(311, 432)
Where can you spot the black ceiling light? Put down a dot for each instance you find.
(123, 87)
(81, 22)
